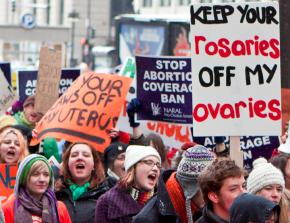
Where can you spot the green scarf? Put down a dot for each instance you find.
(21, 120)
(77, 190)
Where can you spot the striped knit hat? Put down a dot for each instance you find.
(262, 175)
(193, 162)
(24, 168)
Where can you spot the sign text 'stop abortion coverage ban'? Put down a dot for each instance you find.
(236, 69)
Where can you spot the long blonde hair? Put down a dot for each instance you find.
(22, 142)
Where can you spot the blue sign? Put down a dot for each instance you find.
(6, 69)
(27, 81)
(28, 21)
(164, 87)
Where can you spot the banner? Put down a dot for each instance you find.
(164, 87)
(86, 110)
(48, 78)
(235, 52)
(7, 180)
(253, 147)
(27, 80)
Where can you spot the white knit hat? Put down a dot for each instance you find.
(136, 153)
(262, 175)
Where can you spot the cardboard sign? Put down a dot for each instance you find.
(235, 52)
(27, 81)
(86, 110)
(7, 180)
(47, 79)
(7, 96)
(164, 87)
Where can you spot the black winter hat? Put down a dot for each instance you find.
(112, 151)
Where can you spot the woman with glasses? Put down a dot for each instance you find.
(127, 198)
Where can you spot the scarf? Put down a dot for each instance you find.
(140, 196)
(178, 200)
(26, 206)
(77, 190)
(20, 118)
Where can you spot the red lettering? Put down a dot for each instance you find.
(197, 39)
(230, 109)
(196, 111)
(214, 111)
(275, 113)
(259, 108)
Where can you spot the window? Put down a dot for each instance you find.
(165, 2)
(184, 2)
(147, 3)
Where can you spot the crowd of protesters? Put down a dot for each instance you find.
(136, 179)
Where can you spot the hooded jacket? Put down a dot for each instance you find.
(252, 208)
(8, 206)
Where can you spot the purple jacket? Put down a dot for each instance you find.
(116, 205)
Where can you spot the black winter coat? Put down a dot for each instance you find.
(209, 217)
(83, 209)
(159, 209)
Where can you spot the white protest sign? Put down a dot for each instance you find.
(235, 52)
(7, 97)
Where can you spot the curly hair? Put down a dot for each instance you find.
(98, 175)
(212, 178)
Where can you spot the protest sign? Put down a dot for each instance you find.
(129, 68)
(173, 135)
(48, 78)
(236, 69)
(89, 107)
(164, 87)
(6, 69)
(27, 80)
(7, 180)
(7, 97)
(253, 147)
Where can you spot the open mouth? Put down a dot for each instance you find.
(11, 153)
(80, 166)
(152, 176)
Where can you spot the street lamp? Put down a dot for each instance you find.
(74, 17)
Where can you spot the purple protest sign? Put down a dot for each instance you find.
(164, 87)
(27, 81)
(6, 69)
(253, 147)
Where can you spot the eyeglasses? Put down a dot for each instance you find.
(151, 163)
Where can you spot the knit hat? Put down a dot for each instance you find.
(262, 175)
(112, 151)
(193, 162)
(29, 100)
(7, 120)
(24, 168)
(135, 153)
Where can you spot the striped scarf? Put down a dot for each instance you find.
(140, 196)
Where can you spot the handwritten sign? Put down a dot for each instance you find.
(164, 87)
(48, 79)
(6, 94)
(235, 52)
(7, 180)
(86, 110)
